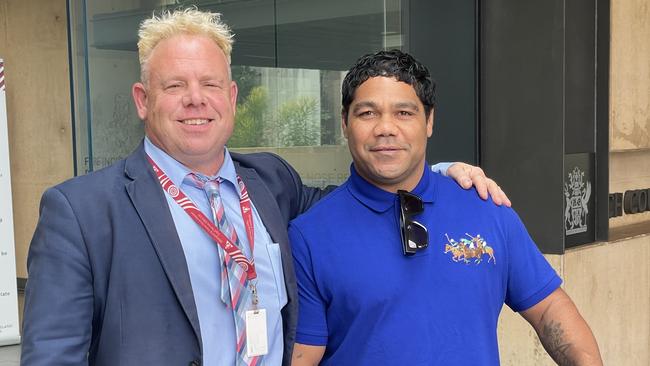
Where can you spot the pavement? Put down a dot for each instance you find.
(10, 356)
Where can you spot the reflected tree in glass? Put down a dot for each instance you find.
(297, 122)
(249, 120)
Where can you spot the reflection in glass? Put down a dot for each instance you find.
(289, 60)
(281, 107)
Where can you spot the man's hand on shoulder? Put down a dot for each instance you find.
(468, 176)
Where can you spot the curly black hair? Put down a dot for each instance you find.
(395, 64)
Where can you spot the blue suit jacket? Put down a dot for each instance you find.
(108, 281)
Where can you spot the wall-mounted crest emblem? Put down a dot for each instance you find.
(467, 250)
(576, 193)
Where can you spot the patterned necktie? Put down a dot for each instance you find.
(238, 293)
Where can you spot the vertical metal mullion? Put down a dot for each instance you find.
(73, 109)
(89, 116)
(405, 24)
(602, 117)
(275, 34)
(477, 82)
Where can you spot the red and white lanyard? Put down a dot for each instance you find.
(208, 226)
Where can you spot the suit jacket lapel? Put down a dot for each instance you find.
(264, 202)
(149, 200)
(267, 207)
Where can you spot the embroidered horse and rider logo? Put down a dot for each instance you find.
(468, 250)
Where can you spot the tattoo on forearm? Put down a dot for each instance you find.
(558, 348)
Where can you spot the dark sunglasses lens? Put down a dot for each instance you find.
(411, 204)
(416, 235)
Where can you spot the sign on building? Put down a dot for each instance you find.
(9, 324)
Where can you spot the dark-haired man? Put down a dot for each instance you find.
(399, 266)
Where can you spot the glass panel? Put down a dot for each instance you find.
(289, 59)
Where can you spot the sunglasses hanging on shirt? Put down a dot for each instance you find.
(414, 234)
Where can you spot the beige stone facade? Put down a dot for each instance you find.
(630, 75)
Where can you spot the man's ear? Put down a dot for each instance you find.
(344, 124)
(234, 90)
(430, 123)
(139, 93)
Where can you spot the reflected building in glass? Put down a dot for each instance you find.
(289, 59)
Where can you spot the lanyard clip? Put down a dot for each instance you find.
(256, 300)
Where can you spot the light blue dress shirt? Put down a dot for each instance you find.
(441, 168)
(216, 320)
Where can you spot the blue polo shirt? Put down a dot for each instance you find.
(371, 305)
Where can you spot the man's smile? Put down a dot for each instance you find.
(195, 121)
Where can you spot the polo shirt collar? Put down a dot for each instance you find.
(177, 171)
(380, 200)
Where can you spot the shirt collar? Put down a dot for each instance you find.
(177, 171)
(379, 200)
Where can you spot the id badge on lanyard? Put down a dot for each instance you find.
(256, 329)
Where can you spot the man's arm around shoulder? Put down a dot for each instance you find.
(563, 332)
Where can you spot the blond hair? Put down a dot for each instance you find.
(190, 21)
